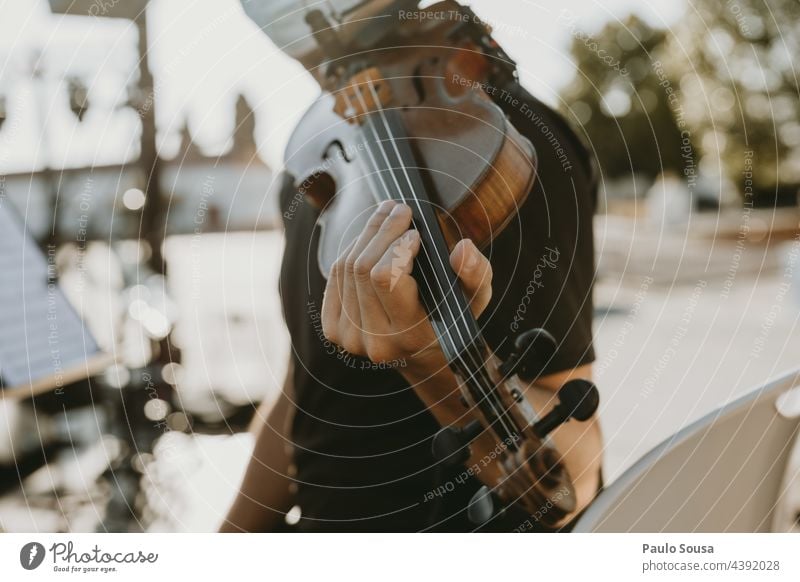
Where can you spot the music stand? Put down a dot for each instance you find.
(727, 472)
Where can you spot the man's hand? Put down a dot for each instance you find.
(372, 307)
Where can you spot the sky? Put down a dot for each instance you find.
(203, 53)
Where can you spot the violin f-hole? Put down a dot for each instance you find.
(319, 188)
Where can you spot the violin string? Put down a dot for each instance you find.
(391, 137)
(477, 360)
(386, 189)
(414, 196)
(475, 372)
(478, 363)
(446, 332)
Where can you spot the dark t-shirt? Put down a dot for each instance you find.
(362, 437)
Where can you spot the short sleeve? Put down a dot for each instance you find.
(543, 262)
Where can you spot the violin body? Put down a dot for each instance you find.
(410, 121)
(478, 165)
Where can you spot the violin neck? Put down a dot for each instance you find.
(396, 175)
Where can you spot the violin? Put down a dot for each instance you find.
(410, 121)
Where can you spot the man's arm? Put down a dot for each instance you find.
(265, 494)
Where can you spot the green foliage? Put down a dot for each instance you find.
(722, 78)
(617, 100)
(735, 61)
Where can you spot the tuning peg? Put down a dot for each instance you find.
(533, 349)
(577, 399)
(451, 444)
(481, 506)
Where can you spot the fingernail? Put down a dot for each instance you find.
(383, 207)
(398, 209)
(471, 255)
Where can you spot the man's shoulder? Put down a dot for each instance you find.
(560, 148)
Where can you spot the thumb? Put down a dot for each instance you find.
(475, 273)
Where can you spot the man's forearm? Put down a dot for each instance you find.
(265, 494)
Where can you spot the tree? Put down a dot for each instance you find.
(620, 100)
(735, 64)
